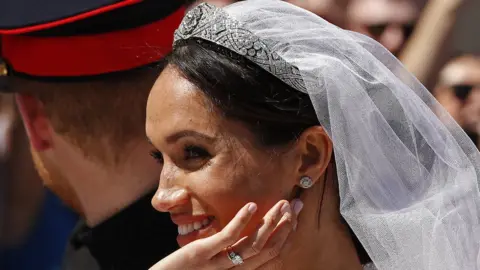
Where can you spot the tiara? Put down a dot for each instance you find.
(213, 24)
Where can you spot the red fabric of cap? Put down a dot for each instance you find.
(72, 56)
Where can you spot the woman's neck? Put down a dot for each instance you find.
(322, 240)
(325, 247)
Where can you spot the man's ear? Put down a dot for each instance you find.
(36, 121)
(315, 149)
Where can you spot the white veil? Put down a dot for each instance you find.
(408, 181)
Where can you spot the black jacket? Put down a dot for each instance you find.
(134, 239)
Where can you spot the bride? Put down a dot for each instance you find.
(263, 101)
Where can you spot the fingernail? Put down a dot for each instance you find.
(297, 206)
(252, 208)
(285, 208)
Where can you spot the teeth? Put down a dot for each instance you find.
(188, 228)
(197, 225)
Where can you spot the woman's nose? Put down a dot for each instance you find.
(167, 199)
(170, 195)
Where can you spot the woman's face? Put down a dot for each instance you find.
(214, 164)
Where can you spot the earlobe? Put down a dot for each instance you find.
(35, 121)
(316, 151)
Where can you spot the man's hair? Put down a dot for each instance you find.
(102, 115)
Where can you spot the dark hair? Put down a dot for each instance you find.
(275, 112)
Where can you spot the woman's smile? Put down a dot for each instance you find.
(191, 228)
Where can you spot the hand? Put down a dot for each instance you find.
(258, 250)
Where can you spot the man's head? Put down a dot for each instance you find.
(81, 86)
(100, 120)
(333, 11)
(390, 22)
(459, 92)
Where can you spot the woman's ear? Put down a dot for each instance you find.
(315, 149)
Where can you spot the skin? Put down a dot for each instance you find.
(96, 191)
(181, 168)
(260, 250)
(333, 11)
(394, 13)
(215, 177)
(464, 70)
(429, 44)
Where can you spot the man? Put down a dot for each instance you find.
(333, 11)
(418, 32)
(390, 22)
(81, 72)
(459, 92)
(34, 225)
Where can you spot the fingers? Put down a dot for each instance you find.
(279, 243)
(267, 241)
(261, 249)
(270, 252)
(230, 234)
(252, 245)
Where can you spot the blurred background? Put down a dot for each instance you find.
(437, 40)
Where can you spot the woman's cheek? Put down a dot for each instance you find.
(224, 189)
(224, 202)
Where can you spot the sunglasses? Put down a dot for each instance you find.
(377, 29)
(463, 90)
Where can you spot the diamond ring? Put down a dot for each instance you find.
(234, 257)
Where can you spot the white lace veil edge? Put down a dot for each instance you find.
(407, 173)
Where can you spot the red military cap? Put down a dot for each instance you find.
(59, 39)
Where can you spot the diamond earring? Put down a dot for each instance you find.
(306, 182)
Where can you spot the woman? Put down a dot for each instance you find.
(254, 101)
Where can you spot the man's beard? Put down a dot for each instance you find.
(56, 182)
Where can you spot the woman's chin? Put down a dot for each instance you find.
(205, 232)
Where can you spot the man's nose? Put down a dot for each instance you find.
(393, 38)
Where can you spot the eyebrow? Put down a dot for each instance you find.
(188, 133)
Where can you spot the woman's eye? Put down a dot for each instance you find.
(157, 155)
(195, 152)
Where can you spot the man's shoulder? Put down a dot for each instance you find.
(78, 257)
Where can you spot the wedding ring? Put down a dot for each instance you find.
(234, 257)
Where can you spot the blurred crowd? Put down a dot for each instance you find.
(423, 34)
